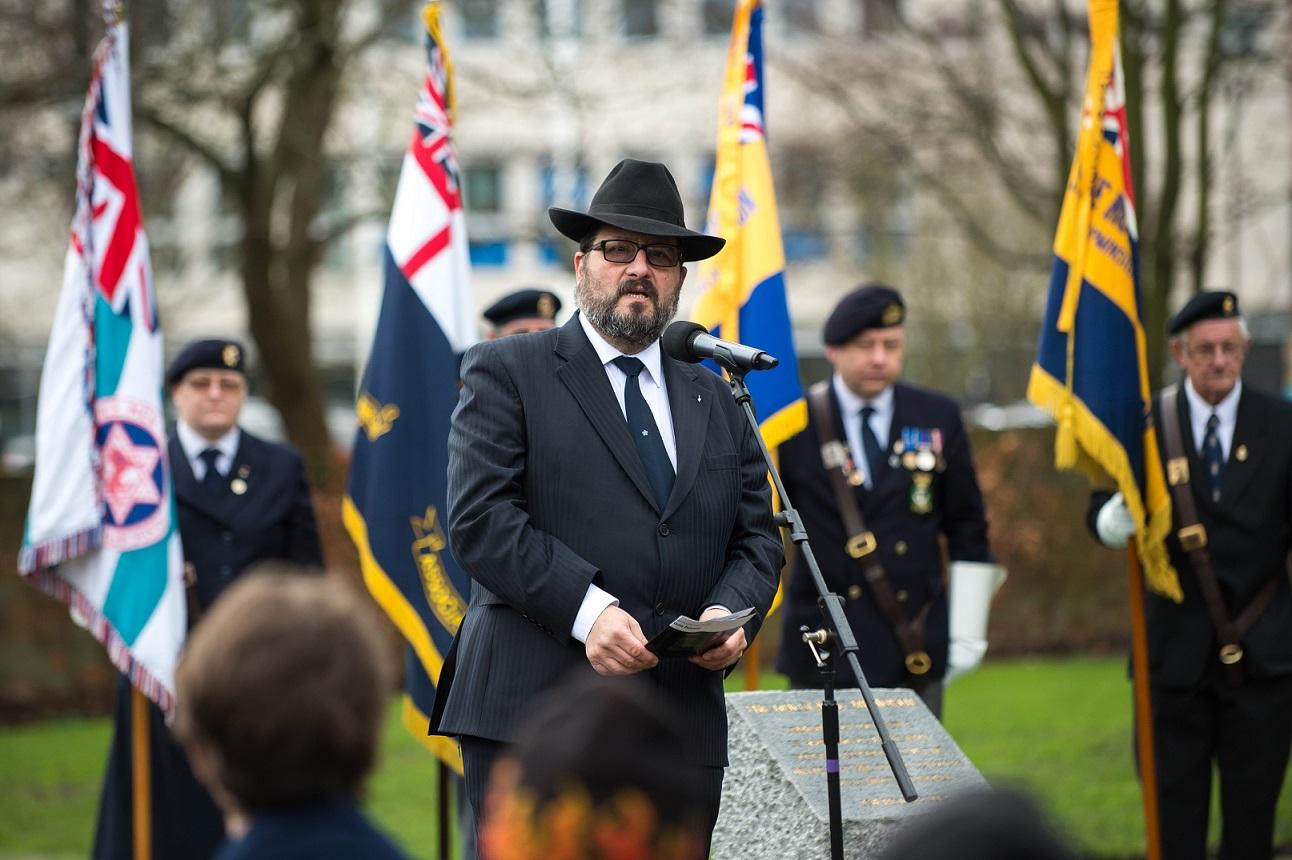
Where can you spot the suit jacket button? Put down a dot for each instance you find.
(226, 571)
(664, 529)
(900, 547)
(854, 592)
(659, 609)
(227, 537)
(902, 596)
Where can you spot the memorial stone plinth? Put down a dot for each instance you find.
(774, 796)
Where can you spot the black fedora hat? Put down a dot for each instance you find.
(640, 196)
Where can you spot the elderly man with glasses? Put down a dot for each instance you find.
(599, 489)
(1220, 660)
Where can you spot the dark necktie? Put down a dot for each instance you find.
(211, 481)
(874, 454)
(641, 424)
(1213, 456)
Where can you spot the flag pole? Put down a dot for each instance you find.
(1143, 706)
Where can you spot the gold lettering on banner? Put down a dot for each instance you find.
(441, 596)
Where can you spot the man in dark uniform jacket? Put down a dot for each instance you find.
(1238, 445)
(911, 473)
(598, 489)
(240, 500)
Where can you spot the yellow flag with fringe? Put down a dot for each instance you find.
(1091, 370)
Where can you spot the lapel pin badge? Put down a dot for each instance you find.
(238, 486)
(1241, 453)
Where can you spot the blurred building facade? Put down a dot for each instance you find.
(552, 93)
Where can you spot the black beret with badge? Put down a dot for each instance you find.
(868, 306)
(523, 304)
(1209, 305)
(207, 354)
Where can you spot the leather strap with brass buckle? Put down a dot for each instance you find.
(861, 545)
(918, 662)
(1193, 538)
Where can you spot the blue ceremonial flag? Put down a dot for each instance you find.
(1091, 370)
(395, 503)
(100, 531)
(743, 287)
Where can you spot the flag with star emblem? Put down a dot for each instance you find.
(398, 485)
(100, 531)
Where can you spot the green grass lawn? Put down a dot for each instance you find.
(1059, 729)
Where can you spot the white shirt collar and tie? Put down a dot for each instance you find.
(193, 444)
(651, 380)
(850, 406)
(1200, 411)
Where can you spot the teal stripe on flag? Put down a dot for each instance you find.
(112, 340)
(137, 588)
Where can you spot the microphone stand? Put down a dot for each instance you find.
(837, 637)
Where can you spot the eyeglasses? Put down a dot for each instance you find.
(625, 251)
(1229, 349)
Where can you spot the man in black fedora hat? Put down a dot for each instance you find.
(598, 489)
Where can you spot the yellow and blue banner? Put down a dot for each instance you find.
(101, 529)
(1091, 370)
(743, 294)
(395, 505)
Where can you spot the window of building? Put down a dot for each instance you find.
(800, 190)
(716, 16)
(800, 17)
(483, 188)
(641, 18)
(479, 18)
(879, 16)
(563, 17)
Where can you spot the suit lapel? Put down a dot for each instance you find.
(251, 468)
(585, 377)
(690, 410)
(1249, 428)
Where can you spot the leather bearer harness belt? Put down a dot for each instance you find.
(861, 543)
(1193, 540)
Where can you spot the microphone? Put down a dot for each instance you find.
(691, 342)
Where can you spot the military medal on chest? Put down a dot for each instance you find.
(239, 484)
(919, 452)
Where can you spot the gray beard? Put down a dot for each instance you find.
(638, 329)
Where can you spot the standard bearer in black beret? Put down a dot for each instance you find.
(523, 311)
(882, 474)
(209, 354)
(1209, 305)
(1220, 657)
(868, 306)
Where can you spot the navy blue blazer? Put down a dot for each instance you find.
(273, 519)
(908, 523)
(1249, 533)
(328, 828)
(547, 494)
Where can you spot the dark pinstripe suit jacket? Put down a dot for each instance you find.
(547, 494)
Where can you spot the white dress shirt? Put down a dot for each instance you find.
(850, 406)
(193, 444)
(1226, 410)
(655, 394)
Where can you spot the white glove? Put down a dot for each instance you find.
(963, 656)
(972, 586)
(1114, 524)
